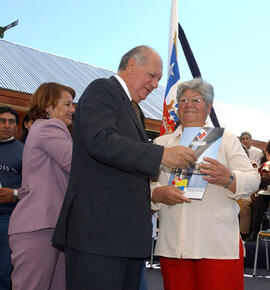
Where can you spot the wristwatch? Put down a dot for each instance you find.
(15, 195)
(229, 182)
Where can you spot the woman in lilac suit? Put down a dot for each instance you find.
(46, 166)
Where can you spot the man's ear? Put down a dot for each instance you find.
(130, 65)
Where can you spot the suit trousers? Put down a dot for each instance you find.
(37, 264)
(203, 274)
(97, 272)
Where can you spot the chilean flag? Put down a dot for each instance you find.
(170, 105)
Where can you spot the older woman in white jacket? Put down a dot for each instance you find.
(199, 241)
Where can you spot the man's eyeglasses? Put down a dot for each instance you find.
(194, 100)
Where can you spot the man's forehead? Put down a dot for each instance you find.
(154, 56)
(7, 115)
(155, 67)
(245, 137)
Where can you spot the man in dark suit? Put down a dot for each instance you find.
(105, 222)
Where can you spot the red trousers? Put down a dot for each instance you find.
(203, 274)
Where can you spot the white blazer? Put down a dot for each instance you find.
(208, 228)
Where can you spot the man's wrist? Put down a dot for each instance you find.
(155, 195)
(231, 179)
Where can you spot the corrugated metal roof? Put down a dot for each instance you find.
(23, 69)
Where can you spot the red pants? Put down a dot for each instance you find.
(203, 274)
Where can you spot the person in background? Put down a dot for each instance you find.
(199, 242)
(105, 221)
(26, 125)
(261, 202)
(245, 209)
(254, 153)
(11, 152)
(264, 157)
(46, 166)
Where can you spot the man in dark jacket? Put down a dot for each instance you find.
(105, 222)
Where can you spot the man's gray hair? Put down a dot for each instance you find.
(199, 85)
(139, 53)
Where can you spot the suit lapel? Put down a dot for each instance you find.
(130, 109)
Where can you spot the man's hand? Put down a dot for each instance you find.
(169, 195)
(178, 157)
(6, 195)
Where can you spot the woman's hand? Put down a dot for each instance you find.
(218, 173)
(169, 195)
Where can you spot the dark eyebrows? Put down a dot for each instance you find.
(5, 119)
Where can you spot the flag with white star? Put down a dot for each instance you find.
(170, 105)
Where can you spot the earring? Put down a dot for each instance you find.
(48, 115)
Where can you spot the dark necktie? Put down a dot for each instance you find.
(135, 106)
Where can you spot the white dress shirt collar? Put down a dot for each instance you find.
(124, 86)
(9, 139)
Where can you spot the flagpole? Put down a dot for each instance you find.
(193, 66)
(170, 105)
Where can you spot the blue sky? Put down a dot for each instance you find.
(230, 39)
